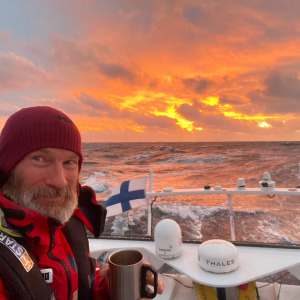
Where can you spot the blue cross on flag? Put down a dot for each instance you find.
(129, 195)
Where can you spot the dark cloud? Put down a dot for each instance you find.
(99, 105)
(232, 101)
(287, 9)
(190, 112)
(283, 85)
(91, 58)
(139, 16)
(153, 121)
(116, 71)
(213, 20)
(83, 105)
(199, 85)
(213, 120)
(193, 14)
(281, 94)
(255, 23)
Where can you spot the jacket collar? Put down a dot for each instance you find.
(90, 212)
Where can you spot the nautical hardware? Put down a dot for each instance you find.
(266, 183)
(241, 184)
(218, 188)
(218, 256)
(168, 239)
(168, 189)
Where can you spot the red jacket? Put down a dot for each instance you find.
(46, 239)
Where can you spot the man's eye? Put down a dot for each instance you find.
(71, 162)
(37, 158)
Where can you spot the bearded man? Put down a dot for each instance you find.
(44, 252)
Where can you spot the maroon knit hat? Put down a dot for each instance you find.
(35, 128)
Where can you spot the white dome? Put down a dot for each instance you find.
(218, 256)
(168, 239)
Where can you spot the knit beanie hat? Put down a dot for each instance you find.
(35, 128)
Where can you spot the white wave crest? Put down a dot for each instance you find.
(188, 211)
(95, 183)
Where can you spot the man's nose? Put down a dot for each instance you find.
(56, 176)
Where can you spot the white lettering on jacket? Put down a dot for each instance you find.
(18, 250)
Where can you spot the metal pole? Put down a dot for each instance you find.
(149, 225)
(231, 217)
(221, 293)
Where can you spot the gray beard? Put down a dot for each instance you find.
(15, 190)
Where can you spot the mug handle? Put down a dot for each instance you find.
(145, 293)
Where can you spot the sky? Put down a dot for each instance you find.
(157, 71)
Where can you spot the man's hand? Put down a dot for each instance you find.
(150, 281)
(104, 273)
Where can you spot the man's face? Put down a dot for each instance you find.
(46, 181)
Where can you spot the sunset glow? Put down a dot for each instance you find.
(264, 125)
(151, 71)
(213, 101)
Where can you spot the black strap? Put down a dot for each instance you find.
(18, 283)
(76, 236)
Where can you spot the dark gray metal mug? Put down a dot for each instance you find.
(127, 276)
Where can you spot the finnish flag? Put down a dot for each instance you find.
(129, 195)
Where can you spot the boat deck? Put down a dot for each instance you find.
(254, 263)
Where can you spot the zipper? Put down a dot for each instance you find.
(61, 262)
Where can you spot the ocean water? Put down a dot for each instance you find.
(257, 218)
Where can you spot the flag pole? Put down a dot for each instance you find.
(149, 231)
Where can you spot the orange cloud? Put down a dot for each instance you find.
(187, 71)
